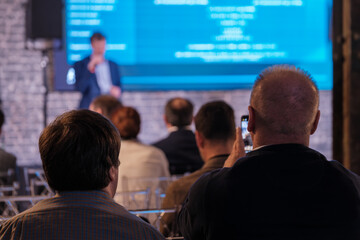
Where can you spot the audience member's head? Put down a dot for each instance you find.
(178, 112)
(80, 151)
(215, 121)
(127, 120)
(283, 105)
(215, 127)
(98, 43)
(106, 105)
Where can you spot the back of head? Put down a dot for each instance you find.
(127, 120)
(215, 121)
(179, 112)
(107, 104)
(77, 151)
(285, 100)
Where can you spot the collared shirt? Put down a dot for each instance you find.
(103, 77)
(77, 215)
(175, 128)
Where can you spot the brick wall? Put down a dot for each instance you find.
(20, 84)
(22, 94)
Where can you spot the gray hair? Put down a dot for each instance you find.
(285, 99)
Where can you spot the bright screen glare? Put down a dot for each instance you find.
(203, 44)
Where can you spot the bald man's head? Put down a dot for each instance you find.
(285, 100)
(179, 112)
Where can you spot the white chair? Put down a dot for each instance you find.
(159, 213)
(11, 202)
(157, 186)
(36, 182)
(139, 199)
(144, 196)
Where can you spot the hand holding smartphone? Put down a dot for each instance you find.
(245, 133)
(242, 144)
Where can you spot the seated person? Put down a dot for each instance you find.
(80, 156)
(215, 135)
(7, 161)
(180, 146)
(282, 189)
(138, 161)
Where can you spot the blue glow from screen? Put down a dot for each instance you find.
(203, 44)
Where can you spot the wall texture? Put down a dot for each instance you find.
(22, 94)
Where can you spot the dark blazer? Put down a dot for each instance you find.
(181, 151)
(86, 81)
(286, 191)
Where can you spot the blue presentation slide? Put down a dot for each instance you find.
(203, 44)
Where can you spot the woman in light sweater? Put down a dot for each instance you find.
(141, 166)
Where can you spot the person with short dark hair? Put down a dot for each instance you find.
(79, 152)
(180, 146)
(7, 160)
(282, 189)
(106, 105)
(179, 112)
(141, 164)
(97, 36)
(96, 75)
(215, 135)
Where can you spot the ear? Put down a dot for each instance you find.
(112, 186)
(113, 172)
(167, 124)
(315, 123)
(199, 139)
(251, 124)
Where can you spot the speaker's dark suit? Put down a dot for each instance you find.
(181, 151)
(284, 191)
(86, 82)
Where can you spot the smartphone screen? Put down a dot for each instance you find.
(245, 133)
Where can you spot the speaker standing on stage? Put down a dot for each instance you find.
(96, 75)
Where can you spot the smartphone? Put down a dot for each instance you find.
(245, 133)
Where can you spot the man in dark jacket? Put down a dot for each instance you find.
(282, 189)
(180, 146)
